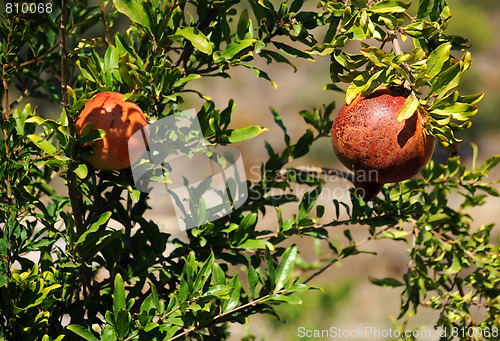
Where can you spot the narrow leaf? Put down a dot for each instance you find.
(135, 10)
(246, 133)
(197, 38)
(95, 226)
(408, 109)
(446, 81)
(118, 295)
(253, 244)
(43, 144)
(81, 171)
(235, 294)
(270, 267)
(437, 58)
(386, 282)
(82, 332)
(285, 268)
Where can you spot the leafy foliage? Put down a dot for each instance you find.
(96, 281)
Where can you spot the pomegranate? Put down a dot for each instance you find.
(120, 120)
(368, 139)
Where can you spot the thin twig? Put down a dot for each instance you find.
(72, 192)
(10, 196)
(317, 171)
(4, 70)
(397, 52)
(189, 49)
(38, 58)
(395, 43)
(341, 22)
(371, 238)
(319, 272)
(249, 304)
(105, 23)
(409, 16)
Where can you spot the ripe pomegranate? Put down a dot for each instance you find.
(368, 140)
(120, 120)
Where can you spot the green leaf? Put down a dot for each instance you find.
(252, 279)
(123, 320)
(20, 118)
(182, 81)
(386, 282)
(218, 274)
(118, 295)
(243, 25)
(270, 267)
(471, 99)
(259, 73)
(81, 171)
(292, 51)
(135, 10)
(455, 266)
(154, 297)
(82, 332)
(248, 221)
(253, 244)
(285, 268)
(390, 6)
(270, 55)
(303, 145)
(203, 274)
(95, 226)
(489, 164)
(235, 48)
(362, 84)
(218, 290)
(307, 203)
(424, 8)
(436, 59)
(43, 144)
(88, 68)
(235, 294)
(395, 234)
(135, 195)
(197, 38)
(446, 81)
(246, 133)
(409, 108)
(277, 298)
(421, 29)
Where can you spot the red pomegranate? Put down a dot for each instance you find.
(120, 120)
(368, 139)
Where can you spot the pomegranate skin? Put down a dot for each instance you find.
(120, 120)
(368, 140)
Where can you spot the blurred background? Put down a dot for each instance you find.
(348, 299)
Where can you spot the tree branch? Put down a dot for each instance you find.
(72, 192)
(189, 49)
(249, 304)
(398, 51)
(341, 22)
(317, 171)
(105, 23)
(10, 196)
